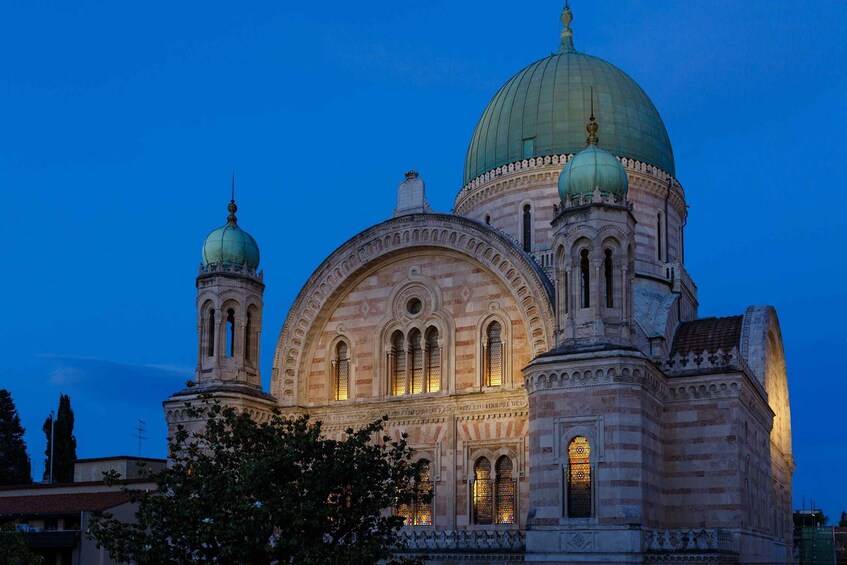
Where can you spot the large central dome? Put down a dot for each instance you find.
(542, 110)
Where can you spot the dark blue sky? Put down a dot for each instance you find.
(122, 122)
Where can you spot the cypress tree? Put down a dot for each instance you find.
(14, 461)
(64, 448)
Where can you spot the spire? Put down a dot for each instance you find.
(592, 126)
(566, 45)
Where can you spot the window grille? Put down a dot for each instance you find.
(416, 358)
(342, 371)
(433, 362)
(398, 366)
(483, 507)
(494, 354)
(579, 478)
(505, 492)
(607, 267)
(419, 513)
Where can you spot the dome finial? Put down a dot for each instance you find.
(566, 46)
(592, 126)
(232, 207)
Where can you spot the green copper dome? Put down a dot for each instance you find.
(230, 245)
(542, 110)
(592, 168)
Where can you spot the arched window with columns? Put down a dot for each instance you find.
(397, 365)
(609, 276)
(210, 334)
(585, 279)
(230, 333)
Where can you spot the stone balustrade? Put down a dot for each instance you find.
(688, 541)
(244, 270)
(462, 540)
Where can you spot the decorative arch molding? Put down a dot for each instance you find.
(519, 274)
(762, 349)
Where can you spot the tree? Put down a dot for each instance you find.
(246, 492)
(15, 467)
(14, 547)
(64, 449)
(842, 523)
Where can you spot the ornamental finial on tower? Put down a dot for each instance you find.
(566, 46)
(592, 126)
(232, 207)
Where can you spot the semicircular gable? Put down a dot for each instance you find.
(524, 279)
(762, 349)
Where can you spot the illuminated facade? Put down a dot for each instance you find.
(541, 346)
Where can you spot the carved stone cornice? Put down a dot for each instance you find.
(409, 410)
(516, 270)
(734, 384)
(576, 374)
(544, 171)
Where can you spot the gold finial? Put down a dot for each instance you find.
(566, 46)
(592, 126)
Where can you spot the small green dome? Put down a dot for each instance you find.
(592, 167)
(230, 245)
(541, 111)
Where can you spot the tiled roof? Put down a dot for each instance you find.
(708, 334)
(68, 503)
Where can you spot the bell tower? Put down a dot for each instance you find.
(594, 242)
(229, 325)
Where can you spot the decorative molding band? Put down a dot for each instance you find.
(545, 170)
(546, 378)
(517, 271)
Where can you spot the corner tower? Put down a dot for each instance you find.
(229, 325)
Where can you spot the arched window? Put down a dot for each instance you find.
(567, 292)
(585, 279)
(494, 355)
(432, 379)
(341, 368)
(659, 235)
(248, 342)
(527, 228)
(230, 332)
(505, 491)
(487, 219)
(210, 334)
(483, 505)
(398, 365)
(419, 513)
(607, 269)
(416, 360)
(579, 478)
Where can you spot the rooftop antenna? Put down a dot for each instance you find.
(140, 433)
(233, 186)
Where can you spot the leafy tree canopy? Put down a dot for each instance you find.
(278, 491)
(14, 547)
(15, 467)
